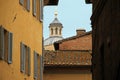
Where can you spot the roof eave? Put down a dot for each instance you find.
(67, 66)
(51, 2)
(74, 37)
(88, 1)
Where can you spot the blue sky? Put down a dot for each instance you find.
(73, 14)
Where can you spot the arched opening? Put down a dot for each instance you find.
(51, 31)
(56, 31)
(60, 31)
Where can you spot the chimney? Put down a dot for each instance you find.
(80, 31)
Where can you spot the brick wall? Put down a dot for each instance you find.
(80, 43)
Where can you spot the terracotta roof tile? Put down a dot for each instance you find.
(67, 58)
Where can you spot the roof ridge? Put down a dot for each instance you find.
(73, 37)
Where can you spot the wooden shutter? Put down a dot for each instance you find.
(34, 7)
(35, 65)
(21, 2)
(22, 61)
(41, 68)
(38, 69)
(41, 10)
(1, 43)
(29, 62)
(24, 58)
(28, 5)
(10, 47)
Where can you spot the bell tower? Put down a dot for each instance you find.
(55, 27)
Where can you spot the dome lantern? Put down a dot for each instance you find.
(55, 29)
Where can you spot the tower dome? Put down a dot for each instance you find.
(55, 29)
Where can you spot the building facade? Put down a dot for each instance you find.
(21, 34)
(67, 65)
(106, 41)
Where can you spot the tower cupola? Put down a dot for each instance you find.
(55, 27)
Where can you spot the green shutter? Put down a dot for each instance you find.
(28, 5)
(41, 10)
(34, 7)
(1, 43)
(35, 65)
(21, 2)
(22, 61)
(29, 62)
(10, 47)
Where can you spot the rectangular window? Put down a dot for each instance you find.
(38, 9)
(25, 4)
(28, 5)
(41, 68)
(25, 59)
(41, 10)
(37, 66)
(21, 2)
(34, 7)
(1, 43)
(10, 37)
(5, 45)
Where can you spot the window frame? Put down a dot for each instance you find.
(25, 4)
(6, 45)
(25, 59)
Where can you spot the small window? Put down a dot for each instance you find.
(38, 9)
(34, 7)
(51, 31)
(5, 45)
(25, 4)
(1, 43)
(38, 70)
(25, 59)
(41, 68)
(60, 32)
(56, 31)
(41, 10)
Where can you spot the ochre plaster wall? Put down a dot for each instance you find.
(25, 28)
(68, 76)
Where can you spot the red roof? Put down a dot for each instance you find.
(67, 58)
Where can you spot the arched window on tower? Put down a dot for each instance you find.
(60, 32)
(51, 31)
(56, 30)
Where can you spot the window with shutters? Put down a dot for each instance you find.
(41, 10)
(5, 45)
(25, 59)
(41, 68)
(38, 72)
(38, 9)
(25, 4)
